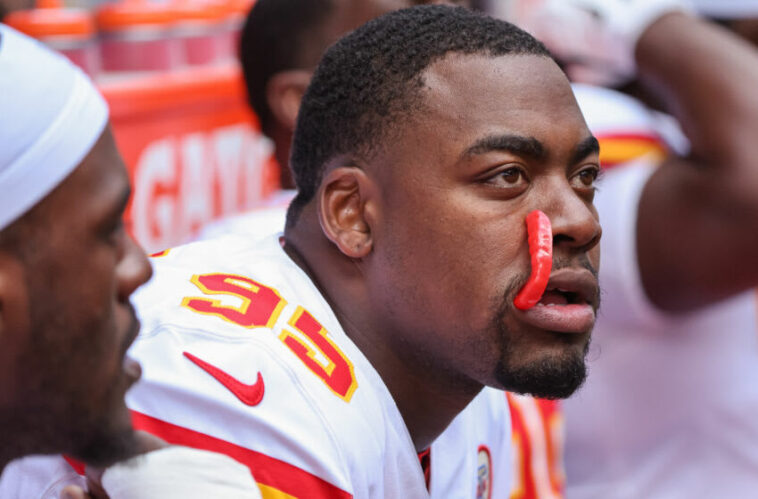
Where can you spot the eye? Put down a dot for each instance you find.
(113, 231)
(508, 178)
(587, 177)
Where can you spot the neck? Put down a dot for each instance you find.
(428, 398)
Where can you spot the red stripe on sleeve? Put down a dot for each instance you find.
(266, 470)
(77, 465)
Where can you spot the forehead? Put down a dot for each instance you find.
(518, 94)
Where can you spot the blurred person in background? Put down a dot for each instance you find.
(7, 6)
(67, 271)
(667, 411)
(740, 16)
(281, 45)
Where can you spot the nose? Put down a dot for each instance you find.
(133, 270)
(574, 220)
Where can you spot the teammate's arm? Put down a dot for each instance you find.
(697, 231)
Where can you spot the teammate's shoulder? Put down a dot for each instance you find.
(231, 278)
(212, 249)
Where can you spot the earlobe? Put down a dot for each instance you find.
(343, 208)
(284, 92)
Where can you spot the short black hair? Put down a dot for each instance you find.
(274, 39)
(372, 77)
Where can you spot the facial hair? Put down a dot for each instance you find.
(552, 377)
(549, 378)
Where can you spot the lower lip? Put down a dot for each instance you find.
(561, 318)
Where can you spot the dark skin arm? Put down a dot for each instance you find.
(697, 231)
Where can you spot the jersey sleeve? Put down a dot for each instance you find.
(239, 399)
(241, 354)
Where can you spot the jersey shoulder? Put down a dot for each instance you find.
(239, 345)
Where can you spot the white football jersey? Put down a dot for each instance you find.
(238, 345)
(668, 410)
(241, 355)
(473, 456)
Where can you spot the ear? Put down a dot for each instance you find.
(346, 210)
(284, 91)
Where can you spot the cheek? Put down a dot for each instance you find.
(456, 262)
(90, 307)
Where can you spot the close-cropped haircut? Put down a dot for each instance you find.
(274, 39)
(372, 79)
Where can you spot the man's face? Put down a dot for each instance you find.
(495, 139)
(79, 269)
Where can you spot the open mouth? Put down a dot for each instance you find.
(568, 304)
(558, 296)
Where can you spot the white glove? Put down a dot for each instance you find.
(595, 39)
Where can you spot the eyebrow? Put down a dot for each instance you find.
(529, 146)
(517, 144)
(588, 146)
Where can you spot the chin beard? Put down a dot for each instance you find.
(554, 376)
(98, 446)
(550, 378)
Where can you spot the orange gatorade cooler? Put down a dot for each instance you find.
(199, 28)
(138, 35)
(67, 30)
